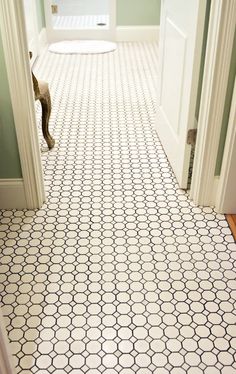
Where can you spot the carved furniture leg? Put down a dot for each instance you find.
(45, 101)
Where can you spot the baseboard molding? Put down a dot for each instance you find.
(137, 33)
(42, 40)
(12, 194)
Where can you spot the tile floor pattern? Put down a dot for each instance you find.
(80, 22)
(118, 272)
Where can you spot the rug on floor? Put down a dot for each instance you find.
(82, 47)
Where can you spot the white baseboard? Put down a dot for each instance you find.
(12, 194)
(137, 33)
(42, 40)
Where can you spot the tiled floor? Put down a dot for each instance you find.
(80, 22)
(118, 272)
(80, 14)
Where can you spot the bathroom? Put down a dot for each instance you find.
(118, 271)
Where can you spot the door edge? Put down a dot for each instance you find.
(217, 63)
(14, 39)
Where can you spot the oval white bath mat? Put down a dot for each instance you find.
(82, 47)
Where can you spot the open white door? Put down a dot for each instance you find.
(181, 35)
(31, 27)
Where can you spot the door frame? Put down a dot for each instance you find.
(6, 358)
(58, 35)
(226, 189)
(218, 51)
(13, 32)
(219, 48)
(35, 32)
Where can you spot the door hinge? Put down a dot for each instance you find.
(54, 9)
(192, 136)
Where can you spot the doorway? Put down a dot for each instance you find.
(115, 295)
(80, 19)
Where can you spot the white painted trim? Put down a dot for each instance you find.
(58, 35)
(215, 189)
(137, 33)
(113, 11)
(12, 194)
(226, 197)
(34, 45)
(218, 52)
(20, 82)
(6, 358)
(42, 40)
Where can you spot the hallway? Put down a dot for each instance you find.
(118, 272)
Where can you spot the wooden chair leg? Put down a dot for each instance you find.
(42, 93)
(45, 101)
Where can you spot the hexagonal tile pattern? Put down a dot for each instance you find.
(118, 272)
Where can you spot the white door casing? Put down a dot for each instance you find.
(222, 22)
(20, 83)
(181, 35)
(54, 35)
(6, 358)
(226, 196)
(30, 14)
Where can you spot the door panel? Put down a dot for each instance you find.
(181, 34)
(174, 50)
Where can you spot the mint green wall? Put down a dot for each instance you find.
(138, 12)
(204, 43)
(40, 14)
(9, 155)
(228, 100)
